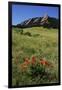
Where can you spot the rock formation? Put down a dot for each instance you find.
(45, 21)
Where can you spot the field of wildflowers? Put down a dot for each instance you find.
(34, 56)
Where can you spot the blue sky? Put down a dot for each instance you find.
(23, 12)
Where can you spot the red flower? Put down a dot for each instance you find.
(33, 60)
(44, 62)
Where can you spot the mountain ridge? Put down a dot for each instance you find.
(46, 21)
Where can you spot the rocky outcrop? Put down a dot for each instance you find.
(45, 21)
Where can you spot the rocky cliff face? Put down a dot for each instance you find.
(45, 21)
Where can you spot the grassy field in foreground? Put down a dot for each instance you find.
(34, 44)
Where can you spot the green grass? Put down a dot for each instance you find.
(42, 43)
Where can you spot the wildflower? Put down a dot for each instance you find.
(33, 60)
(44, 62)
(27, 61)
(23, 66)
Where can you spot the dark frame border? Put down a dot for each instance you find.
(10, 43)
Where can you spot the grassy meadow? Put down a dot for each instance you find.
(38, 47)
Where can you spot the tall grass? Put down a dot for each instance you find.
(42, 43)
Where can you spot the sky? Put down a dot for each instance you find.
(24, 12)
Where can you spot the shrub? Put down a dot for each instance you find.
(35, 35)
(28, 33)
(34, 68)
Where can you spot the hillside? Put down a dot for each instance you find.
(40, 42)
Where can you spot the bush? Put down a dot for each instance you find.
(28, 33)
(34, 68)
(36, 35)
